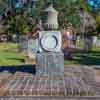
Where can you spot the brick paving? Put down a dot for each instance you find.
(4, 76)
(74, 83)
(50, 98)
(67, 86)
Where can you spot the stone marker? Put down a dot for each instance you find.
(32, 48)
(50, 59)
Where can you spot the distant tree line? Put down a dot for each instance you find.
(23, 19)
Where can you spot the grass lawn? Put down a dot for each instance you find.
(91, 58)
(9, 54)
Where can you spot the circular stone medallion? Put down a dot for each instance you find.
(49, 42)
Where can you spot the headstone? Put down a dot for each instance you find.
(98, 42)
(23, 44)
(32, 48)
(95, 39)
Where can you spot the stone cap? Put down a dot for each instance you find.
(50, 9)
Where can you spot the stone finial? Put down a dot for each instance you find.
(49, 18)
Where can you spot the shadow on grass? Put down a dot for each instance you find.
(20, 59)
(85, 58)
(20, 68)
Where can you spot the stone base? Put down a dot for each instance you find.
(51, 63)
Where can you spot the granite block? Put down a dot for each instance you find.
(50, 63)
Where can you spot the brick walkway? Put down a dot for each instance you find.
(23, 84)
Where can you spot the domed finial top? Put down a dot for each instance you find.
(49, 17)
(49, 8)
(49, 3)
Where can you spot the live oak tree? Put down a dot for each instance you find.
(68, 10)
(3, 6)
(94, 20)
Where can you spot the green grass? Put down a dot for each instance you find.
(9, 54)
(85, 58)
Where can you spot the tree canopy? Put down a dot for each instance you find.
(68, 12)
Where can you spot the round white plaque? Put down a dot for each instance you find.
(49, 42)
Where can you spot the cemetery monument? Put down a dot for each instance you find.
(50, 59)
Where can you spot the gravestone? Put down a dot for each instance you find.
(98, 42)
(32, 48)
(23, 44)
(95, 40)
